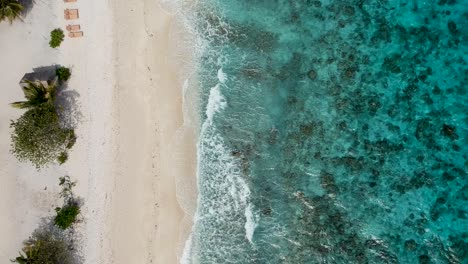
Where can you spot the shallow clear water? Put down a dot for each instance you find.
(333, 132)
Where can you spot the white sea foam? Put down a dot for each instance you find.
(250, 222)
(222, 76)
(185, 88)
(225, 167)
(223, 192)
(216, 102)
(185, 259)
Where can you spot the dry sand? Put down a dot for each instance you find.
(132, 145)
(150, 118)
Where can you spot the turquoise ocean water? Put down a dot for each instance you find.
(332, 132)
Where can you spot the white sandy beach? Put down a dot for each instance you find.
(131, 145)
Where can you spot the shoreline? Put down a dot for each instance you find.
(155, 149)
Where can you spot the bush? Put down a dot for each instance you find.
(62, 158)
(66, 215)
(51, 243)
(38, 137)
(63, 73)
(56, 37)
(71, 140)
(45, 246)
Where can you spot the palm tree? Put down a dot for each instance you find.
(37, 94)
(10, 9)
(30, 256)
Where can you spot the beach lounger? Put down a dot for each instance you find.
(71, 14)
(70, 1)
(73, 27)
(77, 34)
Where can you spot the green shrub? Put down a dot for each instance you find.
(62, 158)
(71, 140)
(51, 243)
(38, 137)
(45, 246)
(56, 37)
(63, 73)
(66, 215)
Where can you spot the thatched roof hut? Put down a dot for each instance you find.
(43, 74)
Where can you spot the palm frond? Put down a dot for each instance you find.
(37, 93)
(22, 105)
(10, 10)
(34, 90)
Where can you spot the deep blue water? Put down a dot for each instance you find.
(333, 132)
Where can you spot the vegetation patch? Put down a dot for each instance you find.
(71, 141)
(67, 214)
(62, 158)
(38, 136)
(54, 242)
(37, 94)
(45, 246)
(63, 74)
(56, 37)
(10, 10)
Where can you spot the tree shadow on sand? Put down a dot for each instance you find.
(27, 6)
(52, 243)
(68, 107)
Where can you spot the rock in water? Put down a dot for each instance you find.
(449, 131)
(312, 74)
